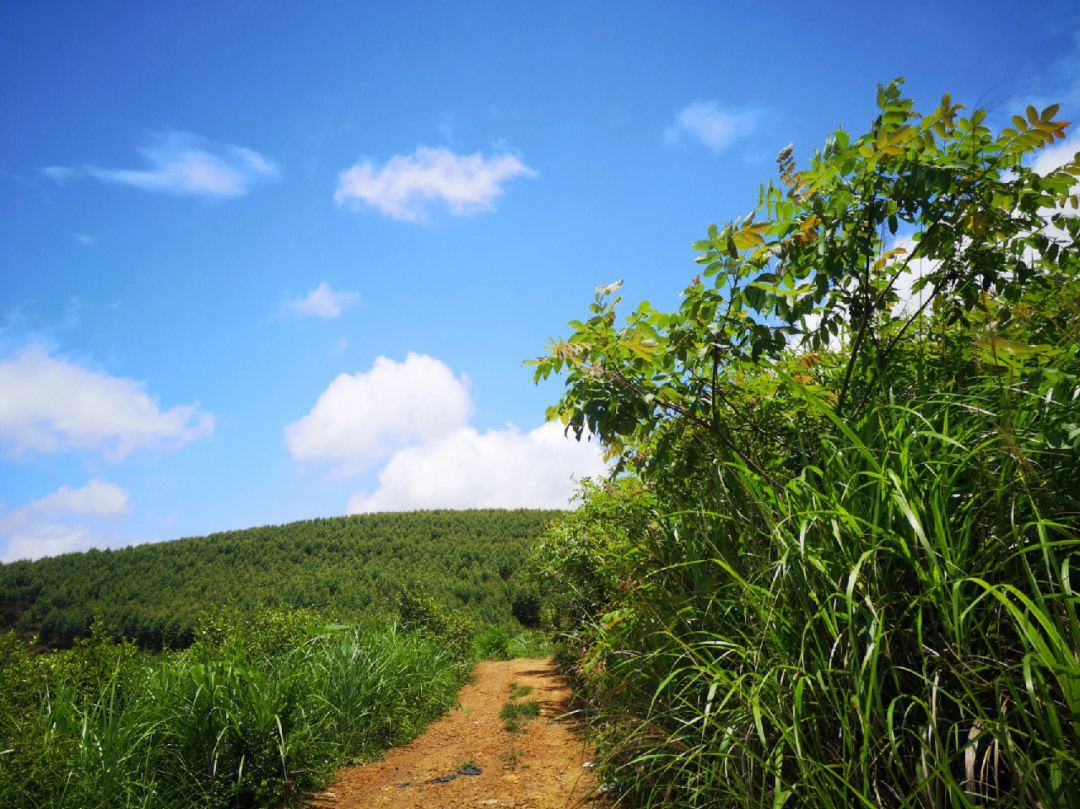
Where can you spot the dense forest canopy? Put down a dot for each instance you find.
(469, 561)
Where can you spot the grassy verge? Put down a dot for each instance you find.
(261, 709)
(505, 642)
(895, 627)
(252, 715)
(835, 564)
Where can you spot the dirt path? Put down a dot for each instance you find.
(540, 768)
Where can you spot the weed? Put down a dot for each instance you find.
(516, 714)
(519, 690)
(247, 719)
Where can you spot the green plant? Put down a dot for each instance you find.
(834, 567)
(260, 710)
(526, 608)
(158, 594)
(514, 714)
(517, 691)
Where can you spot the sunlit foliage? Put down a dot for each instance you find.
(467, 561)
(836, 566)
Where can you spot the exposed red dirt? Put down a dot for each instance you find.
(543, 767)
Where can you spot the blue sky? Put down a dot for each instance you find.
(276, 261)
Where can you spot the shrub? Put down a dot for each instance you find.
(834, 569)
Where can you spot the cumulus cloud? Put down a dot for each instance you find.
(714, 126)
(406, 185)
(52, 405)
(63, 521)
(496, 469)
(412, 418)
(362, 418)
(322, 301)
(185, 164)
(1056, 156)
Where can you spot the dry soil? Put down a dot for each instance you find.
(544, 767)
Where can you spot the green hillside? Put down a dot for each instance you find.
(467, 560)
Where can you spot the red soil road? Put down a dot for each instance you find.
(542, 768)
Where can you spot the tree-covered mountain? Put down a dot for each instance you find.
(467, 560)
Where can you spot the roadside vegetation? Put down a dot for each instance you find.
(835, 566)
(268, 694)
(260, 710)
(253, 714)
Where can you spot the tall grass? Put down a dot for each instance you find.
(894, 626)
(506, 642)
(252, 718)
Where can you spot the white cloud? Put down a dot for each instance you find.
(182, 163)
(361, 418)
(715, 127)
(98, 497)
(403, 188)
(59, 174)
(497, 469)
(1054, 157)
(85, 239)
(323, 302)
(53, 405)
(412, 417)
(62, 521)
(910, 302)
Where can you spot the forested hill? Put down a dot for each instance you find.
(154, 593)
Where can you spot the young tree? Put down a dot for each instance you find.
(836, 569)
(835, 278)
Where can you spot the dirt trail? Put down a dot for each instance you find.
(541, 768)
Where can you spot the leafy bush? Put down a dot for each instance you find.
(835, 569)
(507, 641)
(526, 608)
(420, 612)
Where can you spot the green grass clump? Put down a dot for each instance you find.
(515, 714)
(895, 627)
(529, 644)
(508, 642)
(517, 691)
(254, 714)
